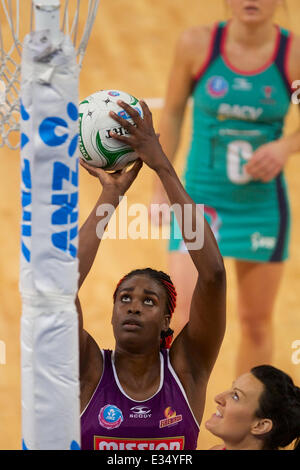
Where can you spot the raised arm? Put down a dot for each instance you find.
(190, 54)
(114, 186)
(196, 348)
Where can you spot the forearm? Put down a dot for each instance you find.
(203, 247)
(169, 137)
(169, 131)
(292, 142)
(89, 240)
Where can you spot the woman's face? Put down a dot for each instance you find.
(139, 313)
(253, 11)
(235, 419)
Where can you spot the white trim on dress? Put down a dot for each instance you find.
(120, 386)
(172, 371)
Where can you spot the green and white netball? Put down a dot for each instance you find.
(96, 145)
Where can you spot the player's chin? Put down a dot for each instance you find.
(213, 427)
(129, 335)
(130, 343)
(252, 17)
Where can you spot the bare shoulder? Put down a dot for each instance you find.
(91, 368)
(91, 361)
(194, 380)
(189, 370)
(196, 36)
(294, 59)
(193, 44)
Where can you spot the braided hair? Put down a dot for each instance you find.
(280, 402)
(165, 281)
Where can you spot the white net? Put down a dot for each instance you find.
(17, 20)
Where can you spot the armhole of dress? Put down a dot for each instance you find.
(96, 388)
(282, 59)
(175, 376)
(284, 220)
(209, 56)
(286, 61)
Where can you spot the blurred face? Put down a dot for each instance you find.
(139, 313)
(253, 11)
(235, 419)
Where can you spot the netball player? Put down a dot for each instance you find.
(261, 411)
(239, 74)
(142, 396)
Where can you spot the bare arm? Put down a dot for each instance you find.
(178, 91)
(270, 159)
(89, 240)
(190, 53)
(196, 348)
(89, 243)
(114, 186)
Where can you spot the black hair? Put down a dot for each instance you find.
(279, 402)
(165, 281)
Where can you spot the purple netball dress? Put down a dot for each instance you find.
(113, 421)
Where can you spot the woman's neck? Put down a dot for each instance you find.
(247, 444)
(138, 374)
(250, 35)
(136, 365)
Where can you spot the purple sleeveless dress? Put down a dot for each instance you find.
(113, 421)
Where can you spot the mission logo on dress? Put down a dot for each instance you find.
(115, 443)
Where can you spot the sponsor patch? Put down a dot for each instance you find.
(259, 241)
(268, 92)
(118, 443)
(110, 417)
(235, 111)
(140, 411)
(242, 84)
(170, 419)
(217, 87)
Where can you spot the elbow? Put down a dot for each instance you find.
(216, 274)
(219, 272)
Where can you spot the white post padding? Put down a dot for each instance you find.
(49, 265)
(47, 17)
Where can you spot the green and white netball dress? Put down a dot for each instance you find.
(234, 113)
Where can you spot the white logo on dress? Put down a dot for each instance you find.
(242, 84)
(236, 111)
(140, 412)
(258, 241)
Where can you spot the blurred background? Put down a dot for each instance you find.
(131, 49)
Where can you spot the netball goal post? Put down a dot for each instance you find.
(39, 78)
